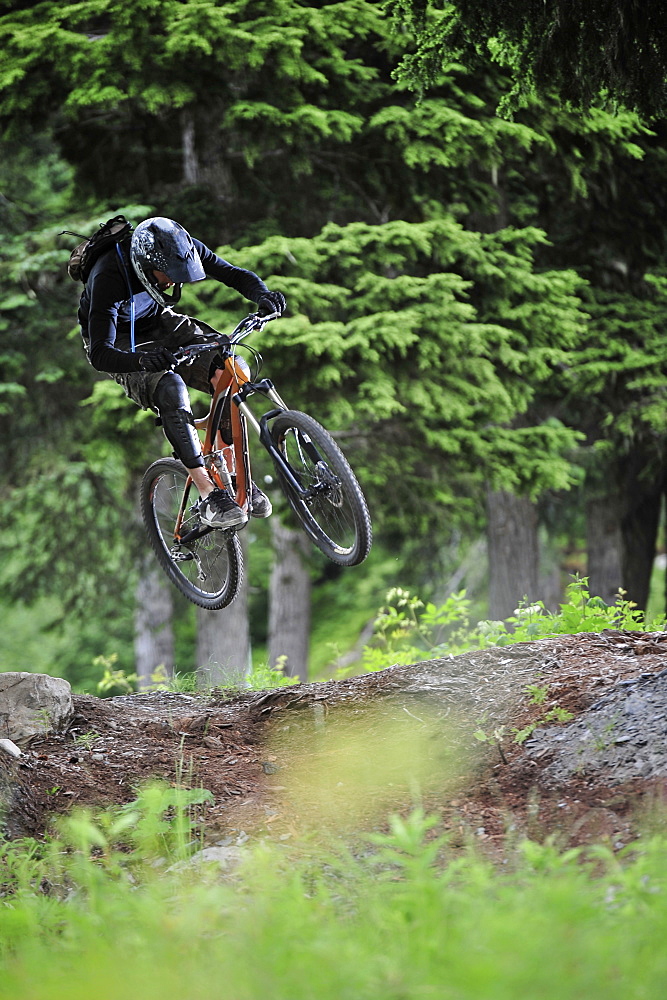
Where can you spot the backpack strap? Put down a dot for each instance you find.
(129, 288)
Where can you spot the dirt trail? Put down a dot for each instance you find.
(266, 757)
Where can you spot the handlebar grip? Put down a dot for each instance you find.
(187, 354)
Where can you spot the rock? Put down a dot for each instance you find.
(7, 746)
(32, 704)
(225, 859)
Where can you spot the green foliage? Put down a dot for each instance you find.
(407, 630)
(608, 52)
(260, 678)
(426, 345)
(263, 676)
(114, 680)
(551, 716)
(409, 847)
(619, 369)
(367, 923)
(280, 89)
(435, 258)
(65, 472)
(37, 635)
(536, 693)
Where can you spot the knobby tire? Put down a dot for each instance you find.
(334, 515)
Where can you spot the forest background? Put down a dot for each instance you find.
(475, 271)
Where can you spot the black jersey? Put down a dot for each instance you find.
(104, 308)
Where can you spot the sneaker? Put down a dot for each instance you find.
(260, 505)
(219, 510)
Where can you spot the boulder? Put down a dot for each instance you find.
(33, 703)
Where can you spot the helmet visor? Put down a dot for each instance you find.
(182, 270)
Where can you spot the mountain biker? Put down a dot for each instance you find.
(163, 256)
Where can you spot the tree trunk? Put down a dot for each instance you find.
(622, 528)
(639, 529)
(153, 636)
(604, 546)
(513, 552)
(289, 601)
(223, 640)
(190, 161)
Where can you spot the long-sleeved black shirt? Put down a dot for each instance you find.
(104, 308)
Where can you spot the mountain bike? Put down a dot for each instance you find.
(205, 563)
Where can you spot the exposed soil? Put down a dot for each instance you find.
(314, 754)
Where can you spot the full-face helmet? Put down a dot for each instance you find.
(161, 244)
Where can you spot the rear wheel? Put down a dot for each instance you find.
(329, 504)
(207, 570)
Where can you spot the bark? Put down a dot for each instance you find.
(190, 161)
(604, 544)
(513, 552)
(153, 635)
(223, 640)
(289, 601)
(622, 528)
(639, 529)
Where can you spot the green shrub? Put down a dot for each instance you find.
(407, 630)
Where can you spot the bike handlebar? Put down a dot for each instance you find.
(247, 326)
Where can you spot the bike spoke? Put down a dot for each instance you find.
(207, 569)
(330, 504)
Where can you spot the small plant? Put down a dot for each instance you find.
(555, 714)
(602, 740)
(406, 629)
(521, 735)
(177, 682)
(495, 738)
(409, 847)
(86, 741)
(44, 718)
(114, 680)
(537, 694)
(558, 714)
(263, 676)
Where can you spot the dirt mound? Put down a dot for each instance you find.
(560, 735)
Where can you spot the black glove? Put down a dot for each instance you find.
(158, 359)
(271, 302)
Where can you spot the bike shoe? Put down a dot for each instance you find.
(260, 505)
(220, 510)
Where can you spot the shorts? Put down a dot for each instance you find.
(172, 331)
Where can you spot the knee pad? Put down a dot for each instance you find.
(171, 393)
(173, 403)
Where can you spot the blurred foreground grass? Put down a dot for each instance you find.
(116, 907)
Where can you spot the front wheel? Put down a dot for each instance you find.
(207, 570)
(321, 488)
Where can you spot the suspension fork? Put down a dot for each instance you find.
(266, 387)
(261, 427)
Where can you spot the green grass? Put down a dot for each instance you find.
(398, 916)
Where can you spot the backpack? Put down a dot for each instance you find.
(82, 258)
